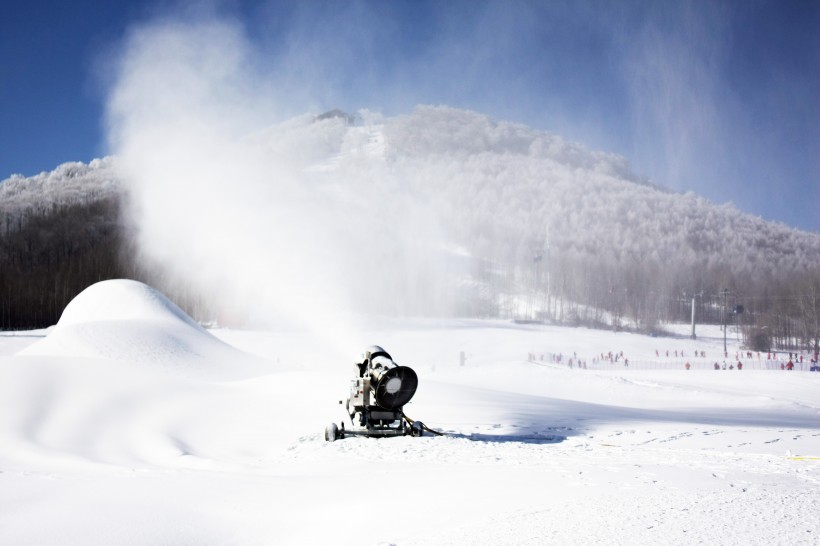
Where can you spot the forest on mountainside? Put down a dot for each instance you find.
(508, 222)
(590, 242)
(51, 255)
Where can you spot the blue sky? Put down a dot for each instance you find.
(718, 98)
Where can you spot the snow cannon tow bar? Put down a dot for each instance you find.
(377, 397)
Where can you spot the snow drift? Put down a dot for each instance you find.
(129, 321)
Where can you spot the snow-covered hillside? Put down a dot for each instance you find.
(533, 189)
(68, 184)
(109, 438)
(475, 217)
(530, 186)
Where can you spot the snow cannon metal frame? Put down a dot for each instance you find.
(377, 398)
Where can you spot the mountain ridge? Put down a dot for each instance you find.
(507, 194)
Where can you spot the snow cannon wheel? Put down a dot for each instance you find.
(417, 429)
(332, 432)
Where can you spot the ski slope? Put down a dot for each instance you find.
(127, 423)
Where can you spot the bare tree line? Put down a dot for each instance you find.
(50, 254)
(772, 312)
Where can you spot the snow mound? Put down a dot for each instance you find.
(127, 320)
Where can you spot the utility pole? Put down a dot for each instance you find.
(693, 317)
(695, 295)
(725, 296)
(537, 260)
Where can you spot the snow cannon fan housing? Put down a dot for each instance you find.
(393, 386)
(377, 396)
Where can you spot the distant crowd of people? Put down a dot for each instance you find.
(701, 354)
(787, 364)
(617, 357)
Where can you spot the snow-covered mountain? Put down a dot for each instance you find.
(524, 185)
(532, 190)
(526, 211)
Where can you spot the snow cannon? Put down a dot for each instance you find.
(377, 397)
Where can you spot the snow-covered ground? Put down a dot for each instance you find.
(129, 424)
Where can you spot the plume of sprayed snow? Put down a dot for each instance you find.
(233, 210)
